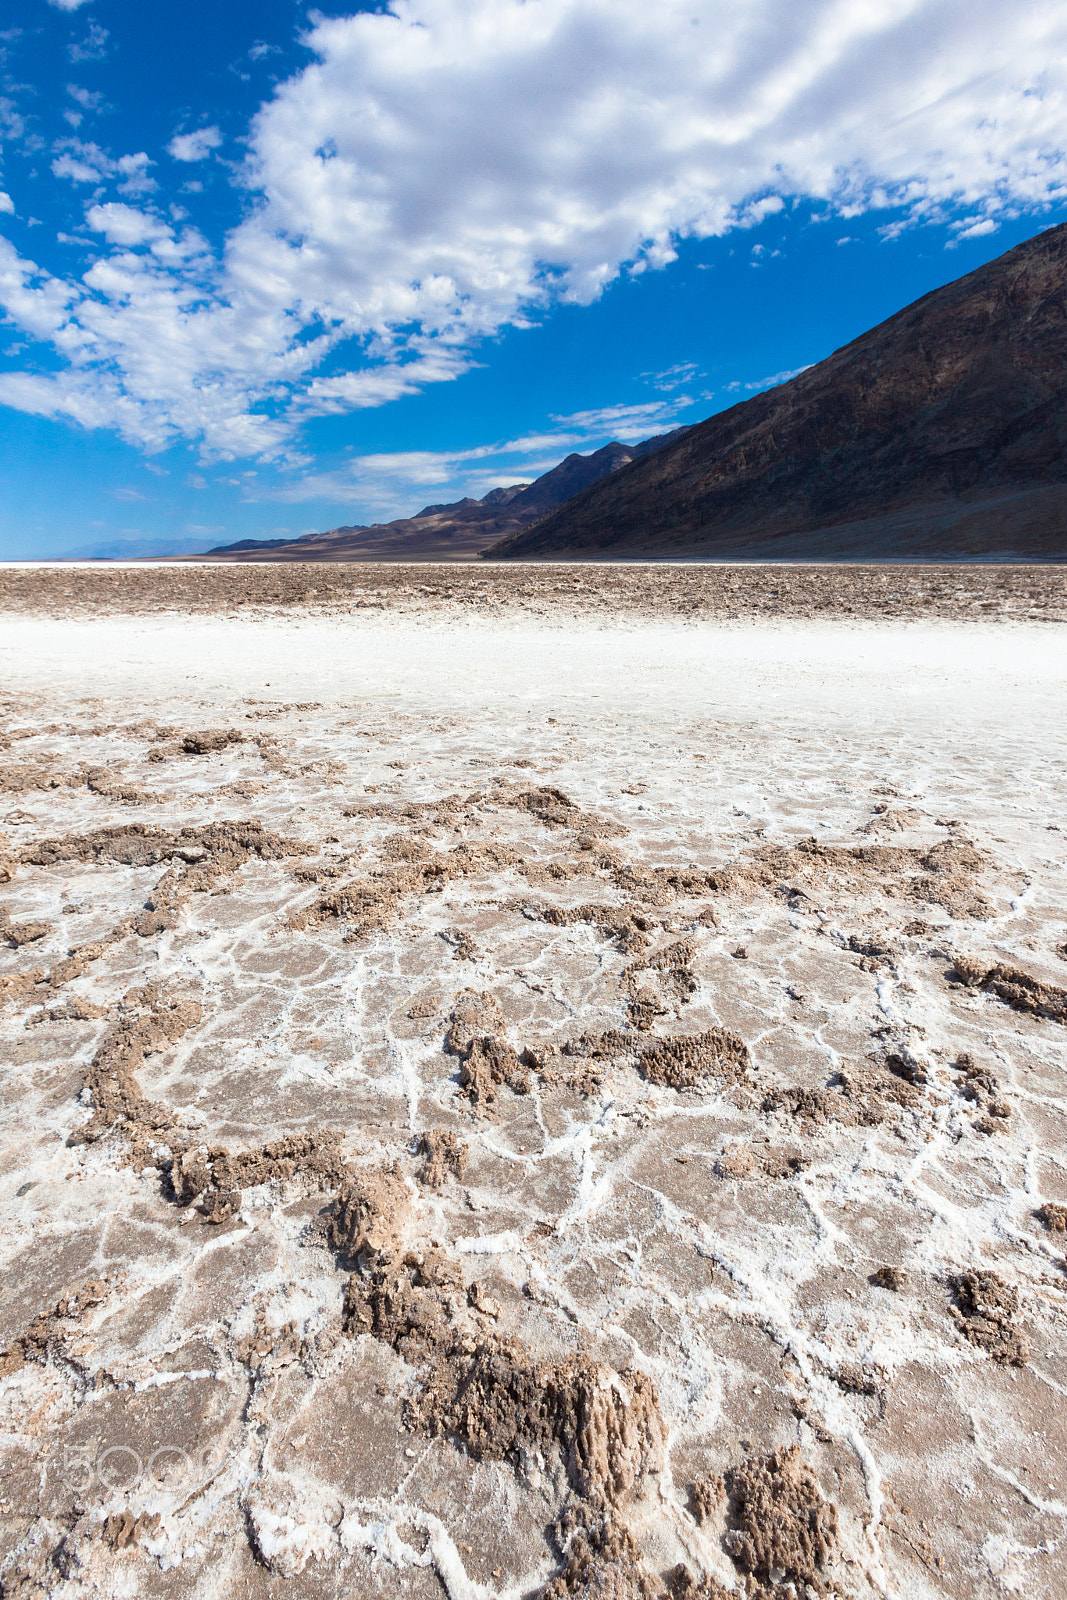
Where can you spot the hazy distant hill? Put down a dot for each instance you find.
(455, 531)
(943, 431)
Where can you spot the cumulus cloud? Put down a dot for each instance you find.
(66, 5)
(194, 146)
(447, 168)
(83, 162)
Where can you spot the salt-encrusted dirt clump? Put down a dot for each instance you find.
(980, 1087)
(225, 845)
(601, 1561)
(947, 874)
(483, 1390)
(149, 1021)
(860, 1096)
(606, 1427)
(210, 740)
(16, 934)
(216, 1175)
(486, 1059)
(1016, 988)
(27, 777)
(629, 925)
(985, 1311)
(1053, 1216)
(780, 1528)
(658, 982)
(368, 1213)
(690, 1060)
(446, 1156)
(49, 1333)
(365, 906)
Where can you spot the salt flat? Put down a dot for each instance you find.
(498, 1104)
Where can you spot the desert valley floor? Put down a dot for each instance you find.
(533, 1081)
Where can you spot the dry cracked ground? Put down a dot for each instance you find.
(506, 1152)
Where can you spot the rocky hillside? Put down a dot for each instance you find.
(454, 532)
(941, 432)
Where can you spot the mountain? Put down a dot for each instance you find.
(940, 433)
(456, 531)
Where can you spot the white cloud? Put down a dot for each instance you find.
(87, 163)
(777, 377)
(450, 167)
(66, 5)
(673, 377)
(194, 146)
(125, 224)
(6, 203)
(88, 99)
(92, 48)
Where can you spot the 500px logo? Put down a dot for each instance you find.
(119, 1466)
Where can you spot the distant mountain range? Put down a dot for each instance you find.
(940, 433)
(459, 530)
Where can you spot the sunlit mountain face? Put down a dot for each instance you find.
(267, 270)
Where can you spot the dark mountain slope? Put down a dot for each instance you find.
(943, 431)
(456, 531)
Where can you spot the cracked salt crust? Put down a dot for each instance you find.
(213, 1385)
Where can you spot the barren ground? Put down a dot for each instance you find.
(533, 1081)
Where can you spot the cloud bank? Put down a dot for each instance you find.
(448, 168)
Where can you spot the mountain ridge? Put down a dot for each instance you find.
(940, 432)
(455, 530)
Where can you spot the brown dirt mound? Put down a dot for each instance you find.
(1053, 1216)
(112, 1076)
(444, 1154)
(606, 1428)
(681, 1585)
(1016, 988)
(600, 1561)
(227, 845)
(209, 740)
(372, 903)
(556, 810)
(486, 1060)
(403, 1300)
(984, 1312)
(861, 1097)
(887, 1277)
(671, 979)
(758, 1161)
(629, 925)
(16, 934)
(122, 1528)
(49, 1328)
(368, 1213)
(780, 1527)
(485, 1066)
(687, 1061)
(601, 1046)
(946, 874)
(26, 777)
(220, 1174)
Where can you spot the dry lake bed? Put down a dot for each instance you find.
(533, 1081)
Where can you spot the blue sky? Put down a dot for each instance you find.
(267, 268)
